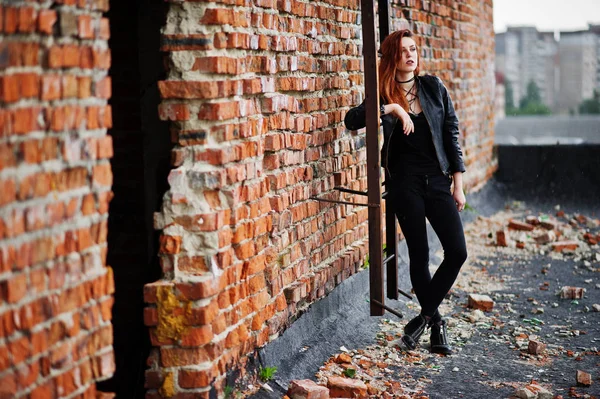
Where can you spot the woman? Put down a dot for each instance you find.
(421, 156)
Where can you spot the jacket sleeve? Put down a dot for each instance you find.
(355, 117)
(450, 133)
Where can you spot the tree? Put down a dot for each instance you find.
(591, 105)
(532, 103)
(509, 104)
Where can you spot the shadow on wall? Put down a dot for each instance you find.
(140, 167)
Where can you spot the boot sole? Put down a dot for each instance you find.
(442, 350)
(409, 342)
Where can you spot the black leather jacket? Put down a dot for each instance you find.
(439, 112)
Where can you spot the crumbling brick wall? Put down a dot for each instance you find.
(55, 290)
(256, 93)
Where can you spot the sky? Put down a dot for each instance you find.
(546, 15)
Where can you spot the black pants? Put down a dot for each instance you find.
(413, 199)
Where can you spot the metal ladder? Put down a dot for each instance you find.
(374, 194)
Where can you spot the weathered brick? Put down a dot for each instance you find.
(583, 378)
(340, 387)
(307, 389)
(569, 292)
(482, 302)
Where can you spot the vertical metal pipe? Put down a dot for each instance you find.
(373, 157)
(385, 22)
(391, 235)
(391, 248)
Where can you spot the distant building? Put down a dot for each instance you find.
(523, 55)
(578, 53)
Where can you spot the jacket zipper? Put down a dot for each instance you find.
(433, 141)
(387, 149)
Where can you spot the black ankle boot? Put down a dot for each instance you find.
(439, 340)
(413, 331)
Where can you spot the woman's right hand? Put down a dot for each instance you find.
(407, 124)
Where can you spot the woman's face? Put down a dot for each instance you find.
(410, 58)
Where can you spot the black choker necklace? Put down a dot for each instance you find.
(406, 81)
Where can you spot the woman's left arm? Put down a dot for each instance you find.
(458, 194)
(454, 152)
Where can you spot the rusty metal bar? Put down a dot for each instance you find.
(391, 239)
(373, 161)
(383, 306)
(406, 294)
(345, 202)
(347, 190)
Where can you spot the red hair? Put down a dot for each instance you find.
(391, 55)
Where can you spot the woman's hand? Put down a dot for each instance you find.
(458, 193)
(407, 124)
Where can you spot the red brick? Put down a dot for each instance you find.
(28, 374)
(11, 19)
(8, 385)
(51, 87)
(169, 244)
(70, 87)
(84, 87)
(27, 19)
(219, 111)
(517, 225)
(340, 387)
(545, 238)
(197, 336)
(101, 58)
(195, 378)
(46, 21)
(307, 389)
(71, 55)
(482, 302)
(15, 289)
(583, 378)
(196, 290)
(9, 88)
(176, 357)
(560, 246)
(85, 27)
(104, 29)
(102, 174)
(174, 112)
(44, 391)
(536, 347)
(20, 349)
(103, 88)
(30, 84)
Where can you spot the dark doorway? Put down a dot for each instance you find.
(140, 166)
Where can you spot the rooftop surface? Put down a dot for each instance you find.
(492, 358)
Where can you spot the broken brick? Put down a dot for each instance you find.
(533, 391)
(340, 387)
(568, 292)
(532, 220)
(343, 358)
(501, 238)
(520, 244)
(536, 347)
(548, 224)
(560, 246)
(516, 225)
(584, 378)
(481, 302)
(307, 389)
(546, 237)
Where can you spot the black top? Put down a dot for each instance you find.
(413, 154)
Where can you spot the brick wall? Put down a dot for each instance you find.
(256, 94)
(55, 290)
